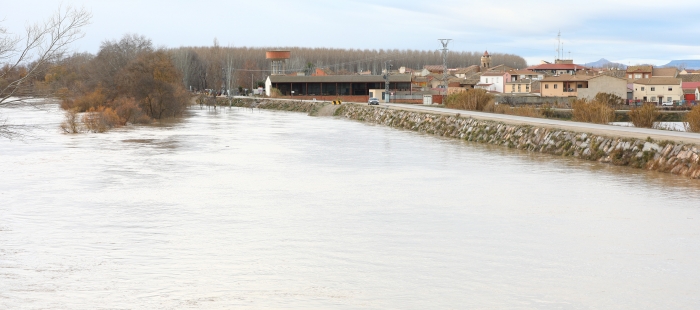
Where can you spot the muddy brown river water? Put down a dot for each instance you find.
(257, 209)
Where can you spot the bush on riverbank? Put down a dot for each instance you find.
(128, 82)
(471, 99)
(692, 120)
(100, 119)
(644, 116)
(598, 112)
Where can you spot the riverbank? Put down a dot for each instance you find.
(621, 149)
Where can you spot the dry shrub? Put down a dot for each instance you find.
(609, 99)
(692, 120)
(502, 109)
(70, 124)
(596, 112)
(128, 111)
(91, 100)
(472, 99)
(527, 110)
(547, 110)
(275, 93)
(490, 107)
(63, 93)
(644, 116)
(100, 119)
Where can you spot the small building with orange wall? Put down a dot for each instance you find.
(564, 85)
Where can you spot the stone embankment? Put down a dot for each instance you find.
(663, 156)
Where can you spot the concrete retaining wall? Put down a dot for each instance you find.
(663, 156)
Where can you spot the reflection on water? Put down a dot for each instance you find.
(260, 209)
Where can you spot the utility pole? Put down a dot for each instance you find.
(444, 62)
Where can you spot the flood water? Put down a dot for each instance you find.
(258, 209)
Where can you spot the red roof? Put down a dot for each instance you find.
(557, 67)
(690, 85)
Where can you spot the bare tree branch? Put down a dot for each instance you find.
(42, 44)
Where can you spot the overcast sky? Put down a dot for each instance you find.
(626, 31)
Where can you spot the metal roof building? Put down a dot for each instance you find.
(335, 85)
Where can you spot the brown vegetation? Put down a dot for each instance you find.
(594, 111)
(472, 99)
(609, 99)
(70, 124)
(528, 110)
(644, 116)
(127, 82)
(525, 110)
(100, 119)
(692, 120)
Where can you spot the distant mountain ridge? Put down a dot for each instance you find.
(685, 64)
(604, 63)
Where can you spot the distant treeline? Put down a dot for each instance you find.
(209, 67)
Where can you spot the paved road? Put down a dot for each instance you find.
(598, 129)
(609, 130)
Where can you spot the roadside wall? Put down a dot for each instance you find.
(664, 156)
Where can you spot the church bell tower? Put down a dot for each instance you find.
(485, 61)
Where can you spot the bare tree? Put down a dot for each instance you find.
(25, 58)
(41, 44)
(114, 56)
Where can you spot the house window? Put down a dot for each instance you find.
(670, 88)
(579, 85)
(555, 86)
(638, 76)
(646, 76)
(645, 99)
(546, 86)
(642, 88)
(669, 99)
(527, 88)
(630, 76)
(653, 88)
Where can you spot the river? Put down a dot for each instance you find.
(253, 209)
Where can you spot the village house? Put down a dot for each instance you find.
(493, 81)
(565, 85)
(519, 86)
(639, 72)
(689, 89)
(603, 84)
(661, 90)
(583, 86)
(464, 72)
(525, 74)
(558, 68)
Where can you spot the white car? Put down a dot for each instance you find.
(667, 103)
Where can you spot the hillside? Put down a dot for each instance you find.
(685, 64)
(604, 63)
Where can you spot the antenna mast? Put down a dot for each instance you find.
(444, 61)
(558, 45)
